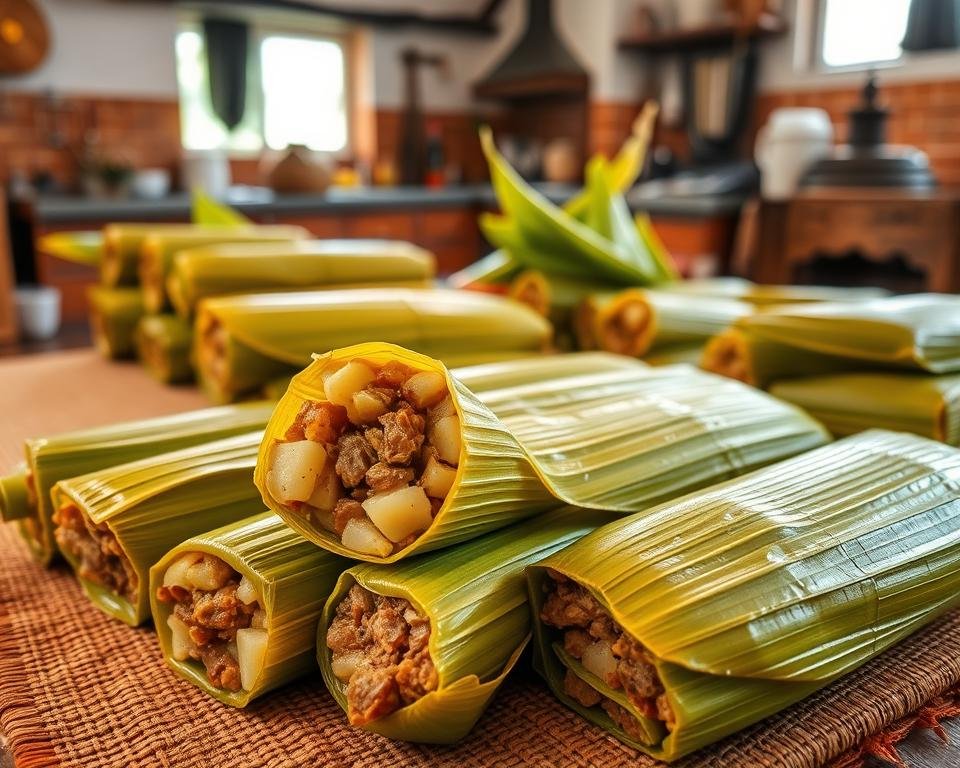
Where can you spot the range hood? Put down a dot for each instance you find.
(540, 64)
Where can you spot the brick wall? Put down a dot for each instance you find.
(925, 115)
(38, 135)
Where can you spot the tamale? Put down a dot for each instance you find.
(376, 452)
(242, 342)
(770, 295)
(681, 624)
(917, 332)
(232, 268)
(114, 314)
(58, 457)
(121, 249)
(462, 620)
(847, 403)
(15, 495)
(634, 321)
(158, 249)
(164, 344)
(267, 586)
(114, 524)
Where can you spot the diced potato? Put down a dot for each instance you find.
(341, 385)
(437, 478)
(445, 437)
(324, 518)
(366, 407)
(294, 470)
(246, 592)
(176, 575)
(345, 664)
(399, 513)
(209, 573)
(362, 536)
(598, 659)
(327, 489)
(180, 643)
(424, 389)
(251, 654)
(444, 408)
(259, 619)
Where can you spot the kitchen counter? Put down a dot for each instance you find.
(52, 209)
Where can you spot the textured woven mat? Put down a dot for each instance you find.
(81, 691)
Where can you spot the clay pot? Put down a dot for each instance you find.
(299, 172)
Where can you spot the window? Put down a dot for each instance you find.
(296, 94)
(863, 31)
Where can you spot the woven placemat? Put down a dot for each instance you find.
(79, 690)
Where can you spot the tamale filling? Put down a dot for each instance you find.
(380, 652)
(218, 619)
(212, 350)
(374, 462)
(98, 555)
(623, 330)
(591, 636)
(726, 354)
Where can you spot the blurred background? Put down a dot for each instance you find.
(798, 141)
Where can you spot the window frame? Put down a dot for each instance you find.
(281, 25)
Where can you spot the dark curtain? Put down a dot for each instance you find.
(931, 25)
(226, 43)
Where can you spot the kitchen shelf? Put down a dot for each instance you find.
(700, 38)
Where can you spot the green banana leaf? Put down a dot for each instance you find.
(205, 210)
(78, 247)
(752, 594)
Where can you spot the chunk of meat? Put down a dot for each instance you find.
(624, 720)
(371, 694)
(345, 511)
(321, 422)
(383, 477)
(355, 457)
(402, 435)
(393, 374)
(221, 610)
(575, 642)
(580, 691)
(223, 670)
(416, 677)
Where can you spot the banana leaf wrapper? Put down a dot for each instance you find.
(513, 373)
(918, 332)
(164, 344)
(243, 342)
(114, 314)
(555, 241)
(771, 295)
(59, 457)
(847, 403)
(15, 495)
(756, 592)
(618, 440)
(234, 268)
(675, 354)
(292, 577)
(158, 249)
(494, 268)
(635, 321)
(121, 249)
(743, 355)
(77, 247)
(475, 596)
(151, 505)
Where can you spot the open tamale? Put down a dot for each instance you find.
(236, 609)
(683, 623)
(243, 342)
(121, 249)
(114, 314)
(114, 524)
(377, 452)
(847, 403)
(232, 268)
(58, 457)
(919, 332)
(158, 249)
(459, 620)
(164, 345)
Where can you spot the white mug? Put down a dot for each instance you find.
(38, 311)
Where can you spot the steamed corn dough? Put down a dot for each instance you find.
(376, 452)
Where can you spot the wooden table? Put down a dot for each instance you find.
(101, 392)
(901, 240)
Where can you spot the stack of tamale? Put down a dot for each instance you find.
(891, 363)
